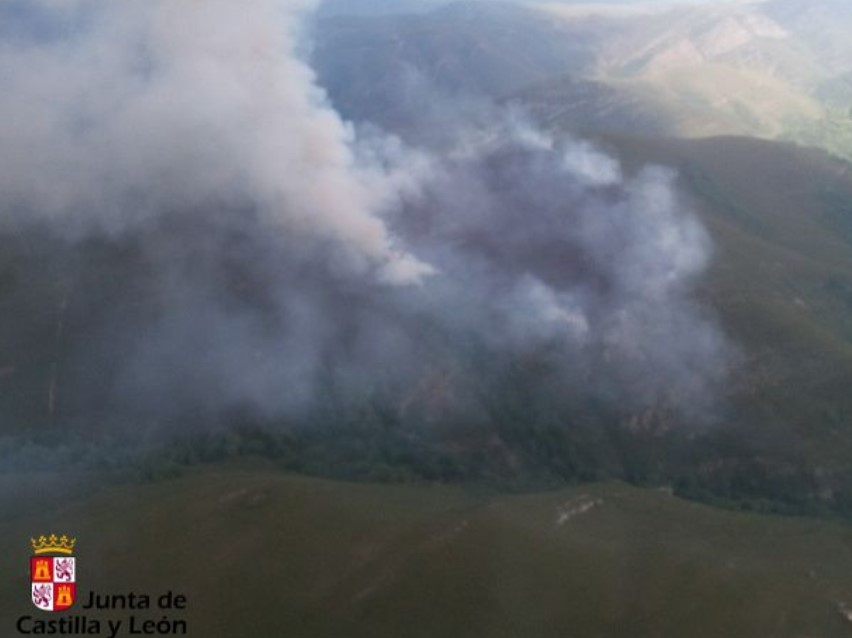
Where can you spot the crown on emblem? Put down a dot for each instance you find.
(53, 544)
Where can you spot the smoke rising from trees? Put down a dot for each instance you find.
(225, 240)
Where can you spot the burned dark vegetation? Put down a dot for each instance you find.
(381, 255)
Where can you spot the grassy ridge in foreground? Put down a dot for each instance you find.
(260, 553)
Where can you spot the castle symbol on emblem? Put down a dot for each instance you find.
(53, 572)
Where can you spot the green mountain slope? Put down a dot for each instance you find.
(780, 282)
(775, 70)
(264, 554)
(375, 67)
(781, 219)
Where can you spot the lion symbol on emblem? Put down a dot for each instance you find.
(43, 596)
(64, 570)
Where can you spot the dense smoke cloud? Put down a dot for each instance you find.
(552, 246)
(259, 252)
(140, 107)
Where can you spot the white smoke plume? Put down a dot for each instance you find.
(138, 107)
(224, 239)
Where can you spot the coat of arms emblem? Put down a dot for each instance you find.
(53, 572)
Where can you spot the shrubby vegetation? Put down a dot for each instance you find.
(524, 448)
(833, 132)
